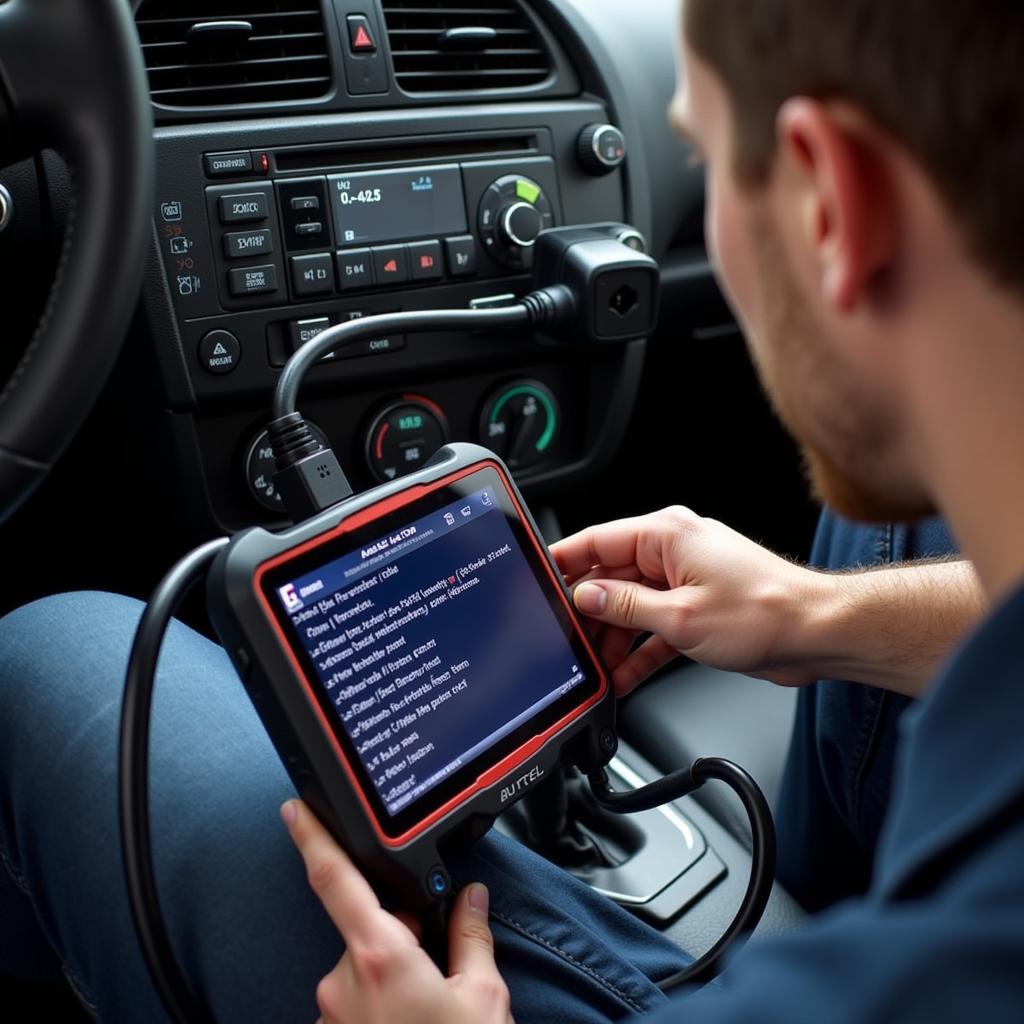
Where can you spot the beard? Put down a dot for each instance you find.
(850, 443)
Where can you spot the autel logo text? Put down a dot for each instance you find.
(523, 782)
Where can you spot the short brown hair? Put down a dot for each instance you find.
(944, 78)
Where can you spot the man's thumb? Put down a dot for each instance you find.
(631, 605)
(471, 945)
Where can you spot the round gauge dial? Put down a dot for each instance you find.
(260, 469)
(520, 423)
(404, 435)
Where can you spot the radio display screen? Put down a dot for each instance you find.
(436, 643)
(387, 206)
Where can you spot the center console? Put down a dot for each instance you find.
(270, 232)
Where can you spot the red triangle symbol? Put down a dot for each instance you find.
(362, 40)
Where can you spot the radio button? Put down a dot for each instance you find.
(355, 269)
(253, 280)
(244, 209)
(312, 275)
(248, 243)
(225, 165)
(390, 264)
(461, 255)
(303, 203)
(309, 229)
(425, 261)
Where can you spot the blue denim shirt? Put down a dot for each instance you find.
(836, 787)
(939, 936)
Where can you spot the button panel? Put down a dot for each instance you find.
(303, 206)
(252, 263)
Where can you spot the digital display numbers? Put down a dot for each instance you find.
(410, 423)
(389, 206)
(364, 195)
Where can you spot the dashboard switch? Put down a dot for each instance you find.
(225, 165)
(313, 275)
(219, 352)
(238, 244)
(244, 209)
(461, 255)
(425, 260)
(253, 280)
(360, 35)
(355, 269)
(601, 148)
(390, 264)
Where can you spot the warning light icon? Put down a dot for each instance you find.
(362, 41)
(391, 267)
(427, 262)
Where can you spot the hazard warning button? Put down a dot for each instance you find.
(360, 36)
(219, 352)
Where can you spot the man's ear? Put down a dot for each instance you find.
(844, 205)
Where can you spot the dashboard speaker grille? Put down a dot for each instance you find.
(206, 53)
(441, 46)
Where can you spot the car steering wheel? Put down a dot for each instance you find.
(72, 79)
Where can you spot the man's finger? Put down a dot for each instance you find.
(613, 544)
(345, 894)
(651, 655)
(470, 942)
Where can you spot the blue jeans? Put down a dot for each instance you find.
(250, 935)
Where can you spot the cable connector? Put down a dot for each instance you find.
(309, 477)
(602, 288)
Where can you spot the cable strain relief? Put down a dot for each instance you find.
(551, 306)
(292, 440)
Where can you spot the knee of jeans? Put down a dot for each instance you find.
(64, 655)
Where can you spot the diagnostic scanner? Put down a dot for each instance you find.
(417, 661)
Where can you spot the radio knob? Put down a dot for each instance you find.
(520, 224)
(601, 148)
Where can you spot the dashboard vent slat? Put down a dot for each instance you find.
(513, 57)
(284, 58)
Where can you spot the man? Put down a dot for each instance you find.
(870, 246)
(864, 214)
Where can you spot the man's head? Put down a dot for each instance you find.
(862, 156)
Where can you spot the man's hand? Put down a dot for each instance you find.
(701, 588)
(385, 977)
(706, 591)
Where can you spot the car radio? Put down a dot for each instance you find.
(353, 232)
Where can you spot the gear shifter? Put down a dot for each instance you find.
(642, 861)
(564, 823)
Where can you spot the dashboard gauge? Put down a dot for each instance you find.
(520, 422)
(404, 435)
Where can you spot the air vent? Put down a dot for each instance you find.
(460, 45)
(207, 53)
